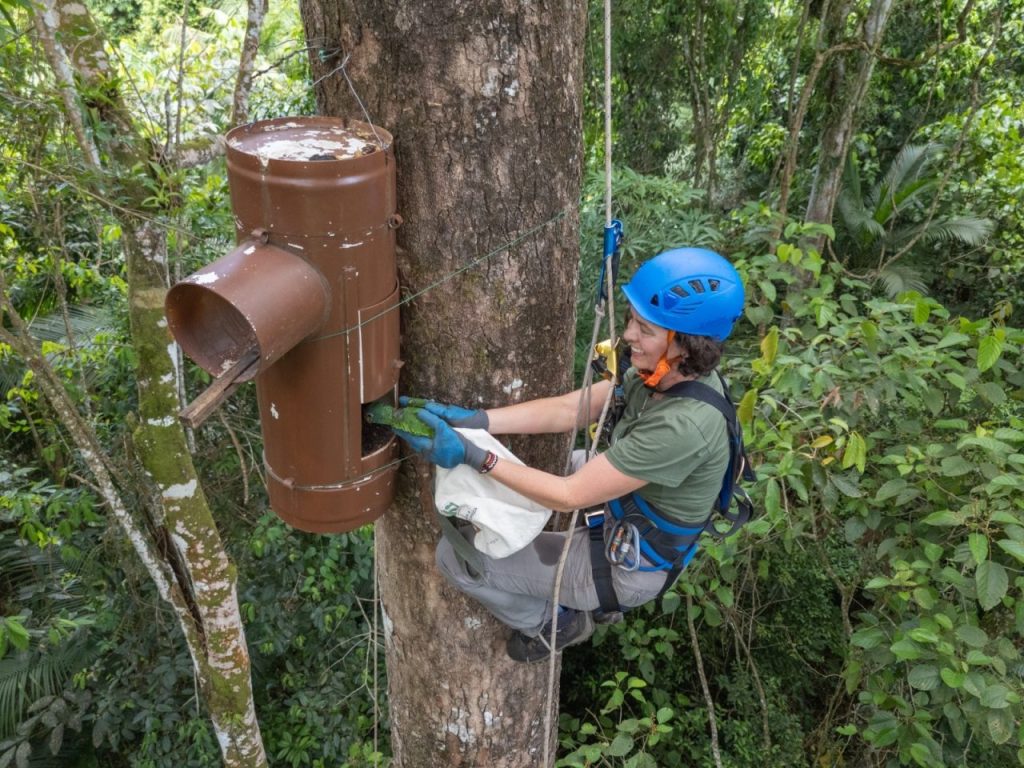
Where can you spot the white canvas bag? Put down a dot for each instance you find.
(506, 521)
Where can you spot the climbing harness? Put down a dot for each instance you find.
(639, 531)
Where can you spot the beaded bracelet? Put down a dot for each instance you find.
(490, 460)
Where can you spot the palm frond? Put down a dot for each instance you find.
(904, 178)
(899, 278)
(857, 221)
(30, 675)
(969, 230)
(84, 320)
(904, 196)
(851, 177)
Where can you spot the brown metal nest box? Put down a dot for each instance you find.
(307, 304)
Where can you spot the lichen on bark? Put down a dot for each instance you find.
(193, 572)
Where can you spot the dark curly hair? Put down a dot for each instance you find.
(703, 354)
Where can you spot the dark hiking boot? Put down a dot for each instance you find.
(574, 627)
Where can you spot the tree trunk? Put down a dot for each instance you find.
(483, 99)
(850, 88)
(200, 579)
(715, 39)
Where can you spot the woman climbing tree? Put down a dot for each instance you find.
(657, 482)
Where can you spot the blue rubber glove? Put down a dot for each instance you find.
(455, 415)
(447, 448)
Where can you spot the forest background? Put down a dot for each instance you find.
(872, 616)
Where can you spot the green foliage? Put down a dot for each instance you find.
(888, 438)
(44, 643)
(313, 668)
(890, 227)
(629, 739)
(986, 280)
(899, 392)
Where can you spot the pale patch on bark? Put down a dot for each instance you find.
(515, 384)
(388, 625)
(192, 156)
(182, 547)
(181, 490)
(149, 298)
(458, 726)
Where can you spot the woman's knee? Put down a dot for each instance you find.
(449, 564)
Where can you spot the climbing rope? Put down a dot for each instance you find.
(604, 307)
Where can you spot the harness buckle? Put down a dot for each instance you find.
(594, 518)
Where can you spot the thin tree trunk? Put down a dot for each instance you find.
(250, 47)
(834, 144)
(205, 598)
(484, 102)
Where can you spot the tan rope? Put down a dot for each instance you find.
(599, 311)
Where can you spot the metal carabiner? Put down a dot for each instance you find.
(623, 546)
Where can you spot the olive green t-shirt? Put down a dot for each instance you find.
(679, 445)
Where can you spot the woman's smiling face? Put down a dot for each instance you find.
(648, 342)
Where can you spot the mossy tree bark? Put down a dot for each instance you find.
(186, 557)
(848, 79)
(483, 99)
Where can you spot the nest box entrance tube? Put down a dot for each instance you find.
(307, 303)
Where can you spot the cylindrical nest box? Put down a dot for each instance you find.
(307, 303)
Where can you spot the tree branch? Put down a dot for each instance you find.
(87, 444)
(938, 48)
(62, 71)
(246, 61)
(712, 722)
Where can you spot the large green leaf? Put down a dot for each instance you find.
(1000, 725)
(994, 696)
(992, 582)
(621, 746)
(954, 466)
(1011, 547)
(972, 636)
(978, 544)
(989, 351)
(924, 677)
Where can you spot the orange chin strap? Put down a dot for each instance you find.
(664, 366)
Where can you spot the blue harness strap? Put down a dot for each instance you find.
(739, 465)
(665, 545)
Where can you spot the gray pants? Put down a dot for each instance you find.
(518, 589)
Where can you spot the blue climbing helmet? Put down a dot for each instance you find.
(688, 290)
